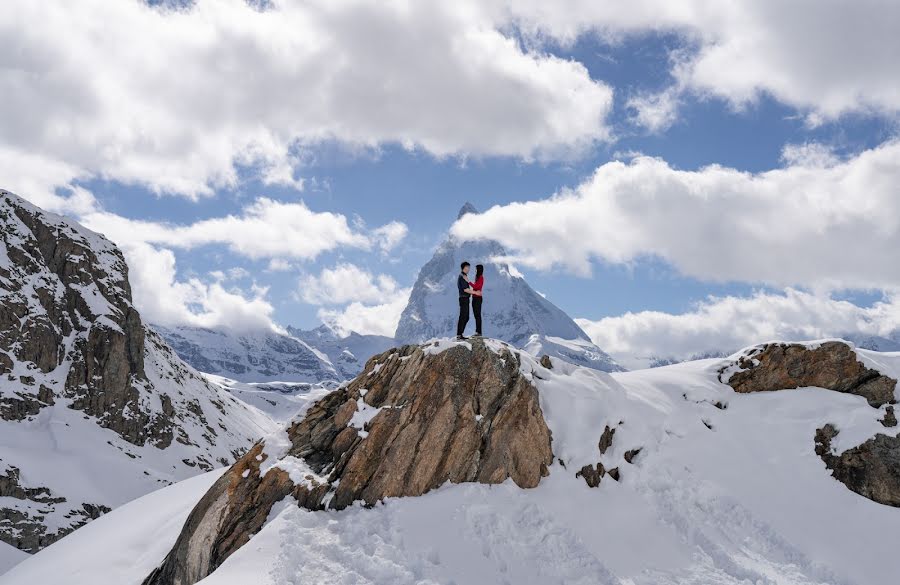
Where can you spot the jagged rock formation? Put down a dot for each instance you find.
(80, 373)
(417, 418)
(513, 311)
(871, 469)
(833, 365)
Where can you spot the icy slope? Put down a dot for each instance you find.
(513, 311)
(95, 409)
(714, 487)
(251, 356)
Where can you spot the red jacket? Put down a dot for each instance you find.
(479, 282)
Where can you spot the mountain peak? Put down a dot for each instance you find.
(513, 311)
(466, 208)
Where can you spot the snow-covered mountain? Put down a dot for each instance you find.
(95, 409)
(512, 310)
(347, 354)
(250, 356)
(776, 465)
(310, 356)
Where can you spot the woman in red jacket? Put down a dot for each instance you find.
(477, 287)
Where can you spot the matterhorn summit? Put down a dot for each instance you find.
(513, 311)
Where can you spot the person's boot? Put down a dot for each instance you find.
(460, 338)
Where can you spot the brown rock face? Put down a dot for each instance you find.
(871, 469)
(833, 365)
(410, 423)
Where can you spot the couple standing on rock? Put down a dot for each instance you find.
(469, 290)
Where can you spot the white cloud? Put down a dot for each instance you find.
(265, 229)
(829, 58)
(379, 319)
(389, 235)
(278, 265)
(816, 223)
(347, 283)
(165, 300)
(180, 99)
(730, 323)
(655, 111)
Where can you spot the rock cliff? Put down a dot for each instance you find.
(94, 408)
(416, 418)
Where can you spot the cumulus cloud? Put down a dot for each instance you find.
(389, 235)
(655, 111)
(747, 47)
(164, 299)
(730, 323)
(181, 99)
(265, 229)
(816, 222)
(378, 319)
(346, 283)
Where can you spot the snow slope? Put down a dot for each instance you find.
(723, 496)
(512, 310)
(10, 556)
(116, 548)
(281, 401)
(250, 356)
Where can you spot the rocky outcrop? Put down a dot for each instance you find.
(25, 529)
(418, 417)
(871, 469)
(71, 338)
(833, 365)
(66, 299)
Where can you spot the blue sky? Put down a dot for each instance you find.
(790, 107)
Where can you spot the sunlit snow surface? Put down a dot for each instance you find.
(716, 496)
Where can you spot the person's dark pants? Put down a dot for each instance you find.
(476, 308)
(463, 315)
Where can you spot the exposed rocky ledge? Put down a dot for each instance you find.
(871, 469)
(415, 419)
(832, 365)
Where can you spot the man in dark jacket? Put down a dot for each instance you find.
(465, 293)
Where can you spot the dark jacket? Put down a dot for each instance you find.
(462, 284)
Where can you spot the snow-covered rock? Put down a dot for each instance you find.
(512, 310)
(250, 356)
(348, 354)
(700, 484)
(95, 409)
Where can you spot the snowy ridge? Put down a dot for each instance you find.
(513, 311)
(713, 487)
(250, 356)
(95, 409)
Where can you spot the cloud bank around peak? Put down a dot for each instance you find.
(817, 222)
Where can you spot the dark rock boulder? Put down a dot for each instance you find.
(871, 469)
(415, 419)
(833, 365)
